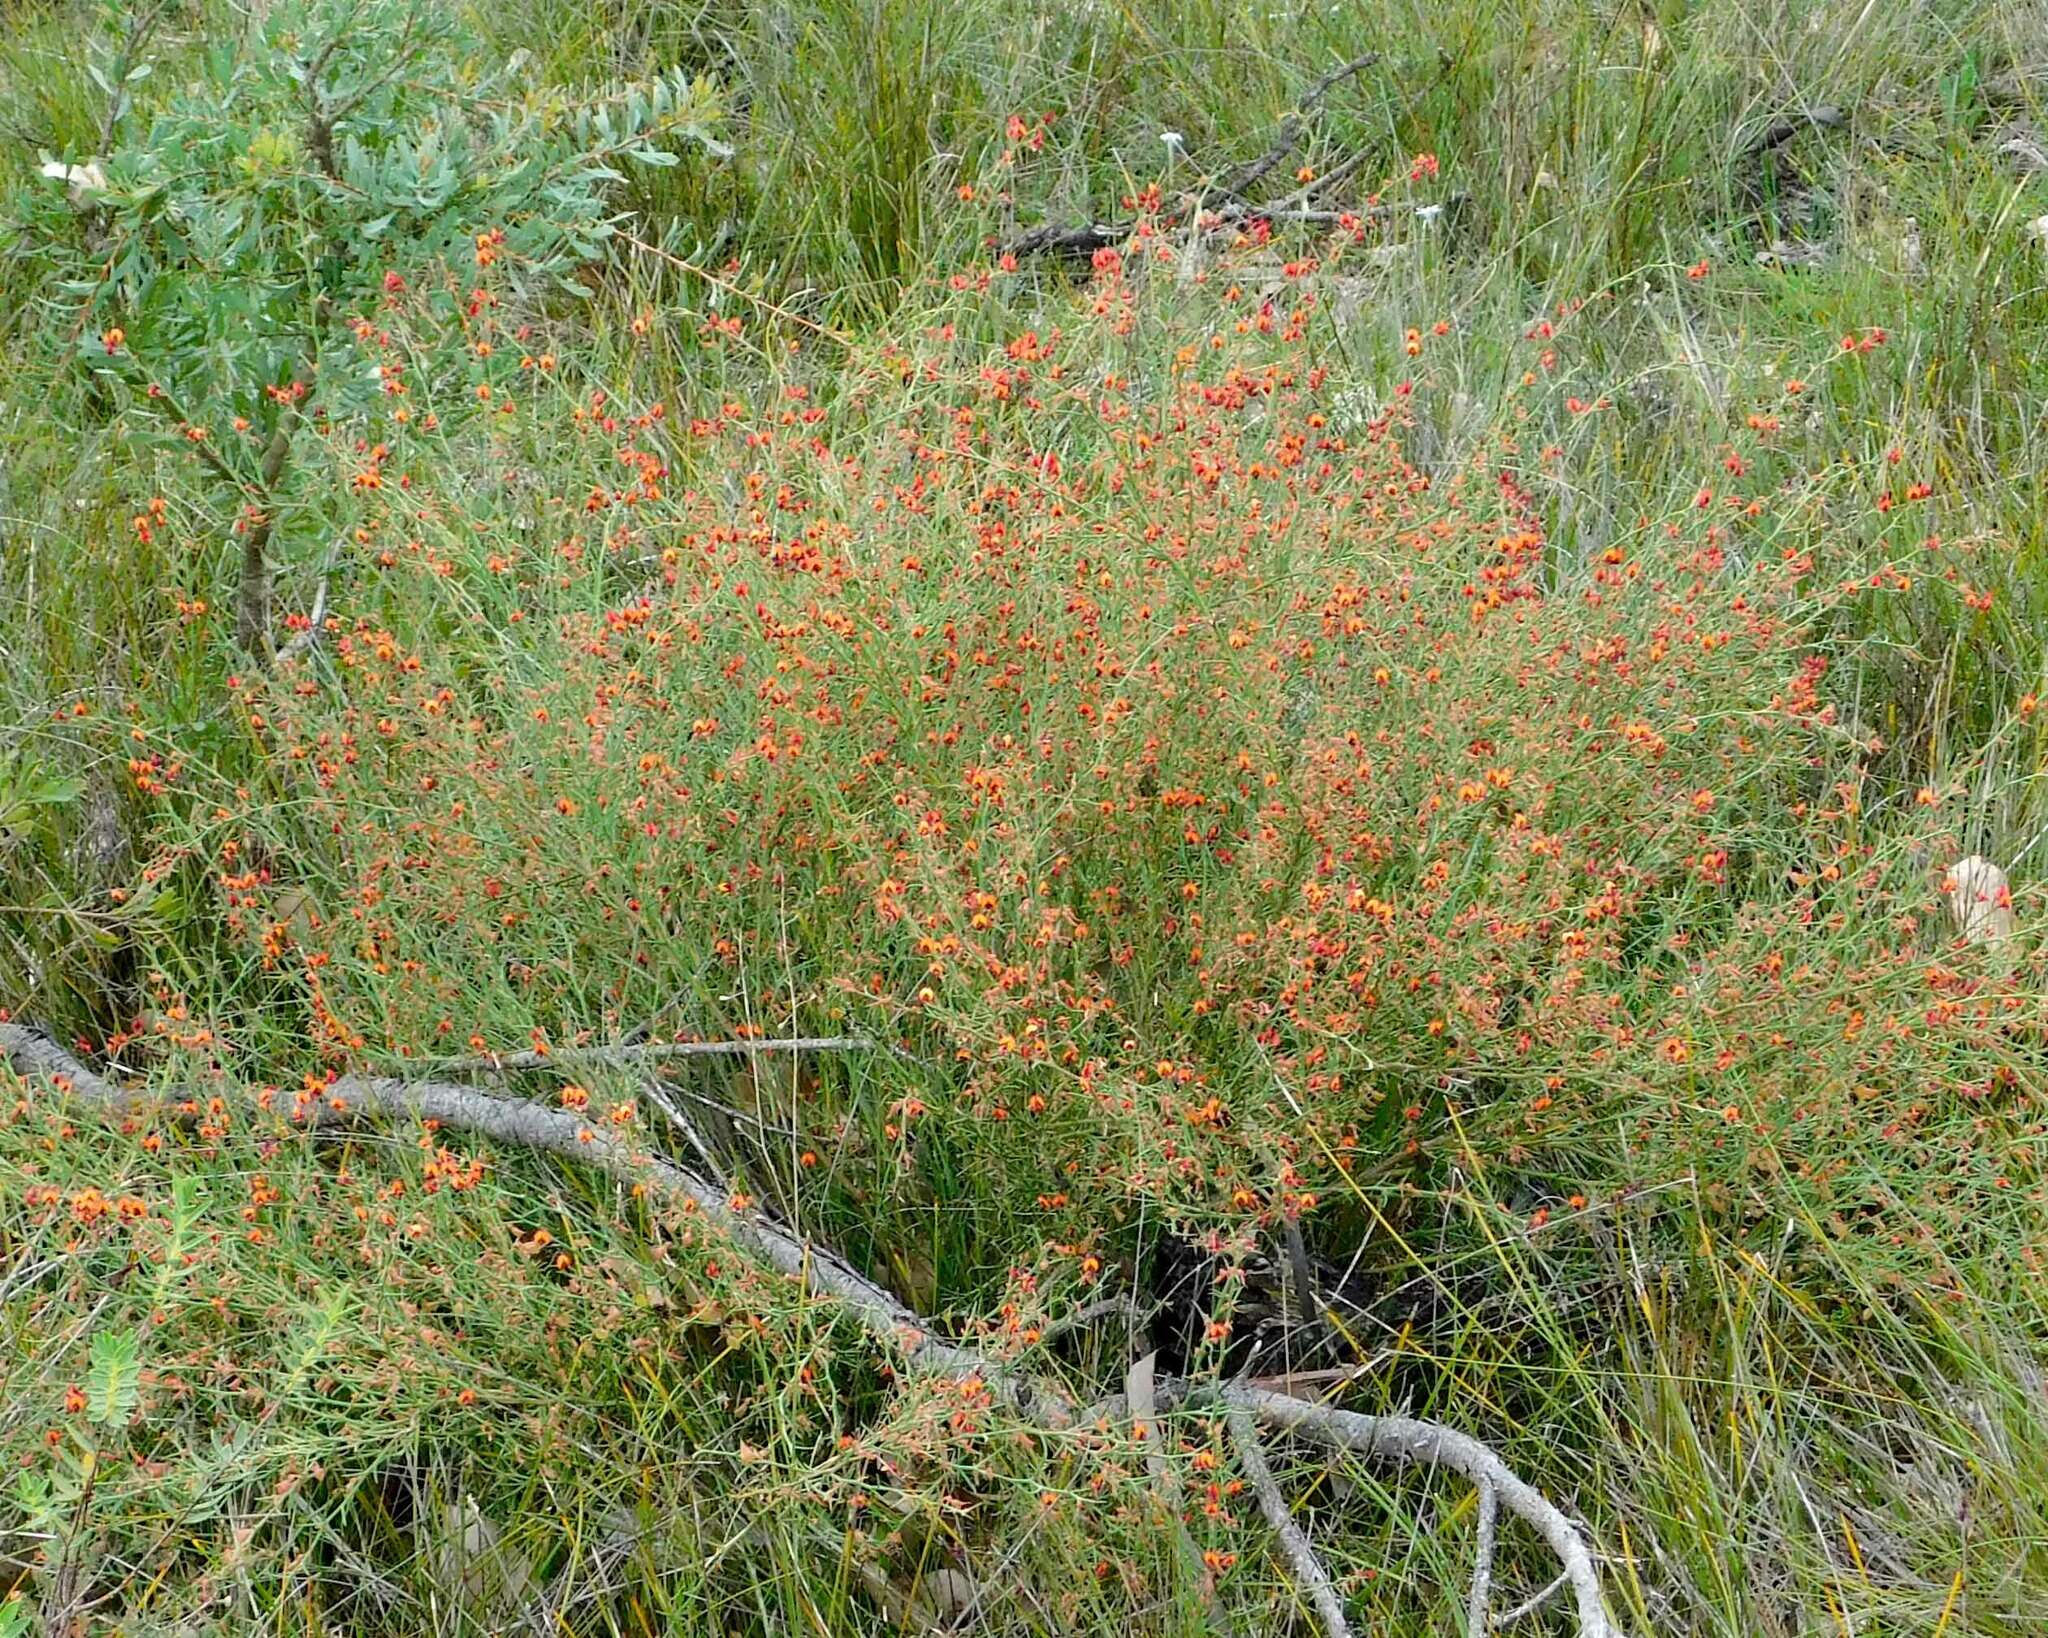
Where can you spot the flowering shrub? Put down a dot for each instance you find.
(1236, 818)
(1237, 821)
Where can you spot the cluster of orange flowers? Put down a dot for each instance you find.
(1230, 804)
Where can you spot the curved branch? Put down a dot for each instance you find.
(355, 1098)
(1404, 1439)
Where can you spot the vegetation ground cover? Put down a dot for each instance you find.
(1378, 788)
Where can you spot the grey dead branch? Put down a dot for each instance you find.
(1225, 204)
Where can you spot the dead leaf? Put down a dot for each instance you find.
(83, 180)
(1979, 895)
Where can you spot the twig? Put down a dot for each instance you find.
(612, 1057)
(64, 1601)
(21, 1279)
(1338, 172)
(209, 457)
(309, 639)
(543, 1616)
(1301, 1557)
(1299, 1384)
(1086, 1314)
(140, 26)
(1250, 175)
(1482, 1564)
(401, 60)
(319, 124)
(822, 1272)
(739, 1117)
(685, 265)
(683, 1124)
(1534, 1602)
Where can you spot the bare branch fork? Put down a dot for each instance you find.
(823, 1273)
(1228, 201)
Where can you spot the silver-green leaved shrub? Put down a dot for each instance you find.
(216, 267)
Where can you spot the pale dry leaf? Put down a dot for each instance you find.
(1980, 899)
(83, 180)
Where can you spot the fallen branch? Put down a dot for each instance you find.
(355, 1098)
(1226, 202)
(1405, 1439)
(821, 1272)
(1085, 238)
(1301, 1557)
(1068, 239)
